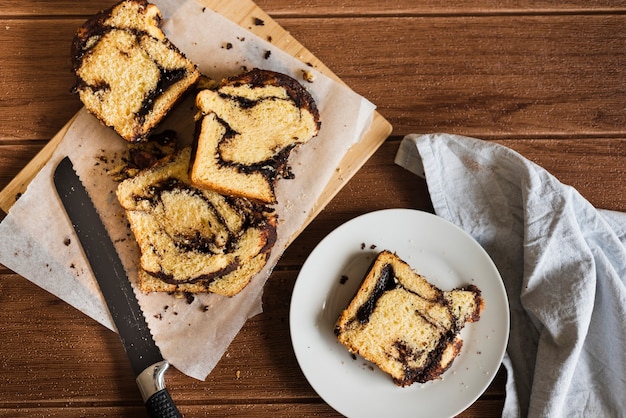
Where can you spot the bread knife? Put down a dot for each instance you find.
(144, 355)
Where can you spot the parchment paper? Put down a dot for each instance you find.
(38, 241)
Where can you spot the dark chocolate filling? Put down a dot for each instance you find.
(295, 91)
(385, 283)
(208, 278)
(431, 366)
(167, 79)
(241, 101)
(271, 169)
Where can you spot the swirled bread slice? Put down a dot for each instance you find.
(247, 128)
(128, 74)
(405, 325)
(190, 239)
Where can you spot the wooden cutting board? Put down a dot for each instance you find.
(249, 16)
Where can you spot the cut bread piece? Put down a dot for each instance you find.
(247, 128)
(128, 74)
(194, 240)
(405, 325)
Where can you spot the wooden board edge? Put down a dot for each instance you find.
(354, 159)
(18, 185)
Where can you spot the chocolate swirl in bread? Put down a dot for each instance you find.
(128, 74)
(406, 326)
(190, 239)
(247, 128)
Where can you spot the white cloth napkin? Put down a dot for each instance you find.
(563, 263)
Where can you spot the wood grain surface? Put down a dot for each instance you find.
(544, 78)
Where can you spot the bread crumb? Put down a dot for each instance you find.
(308, 76)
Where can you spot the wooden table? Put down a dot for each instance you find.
(546, 78)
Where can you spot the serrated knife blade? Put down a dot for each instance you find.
(144, 355)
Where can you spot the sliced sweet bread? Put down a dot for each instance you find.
(128, 74)
(246, 130)
(194, 240)
(405, 325)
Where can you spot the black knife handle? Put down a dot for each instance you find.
(157, 399)
(161, 405)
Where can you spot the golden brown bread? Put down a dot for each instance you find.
(405, 325)
(247, 128)
(194, 240)
(128, 74)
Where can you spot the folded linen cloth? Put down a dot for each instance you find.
(563, 263)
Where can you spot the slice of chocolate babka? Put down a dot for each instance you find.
(194, 240)
(128, 74)
(405, 325)
(247, 128)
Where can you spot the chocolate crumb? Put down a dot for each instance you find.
(353, 356)
(204, 308)
(158, 316)
(269, 39)
(258, 22)
(343, 279)
(189, 297)
(373, 246)
(362, 245)
(267, 54)
(203, 9)
(67, 241)
(229, 45)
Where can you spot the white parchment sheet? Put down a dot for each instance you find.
(38, 241)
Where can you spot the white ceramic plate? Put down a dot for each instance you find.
(329, 278)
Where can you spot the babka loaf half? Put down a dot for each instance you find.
(194, 240)
(405, 325)
(246, 130)
(128, 74)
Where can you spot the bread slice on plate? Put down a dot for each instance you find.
(247, 127)
(128, 74)
(194, 240)
(405, 325)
